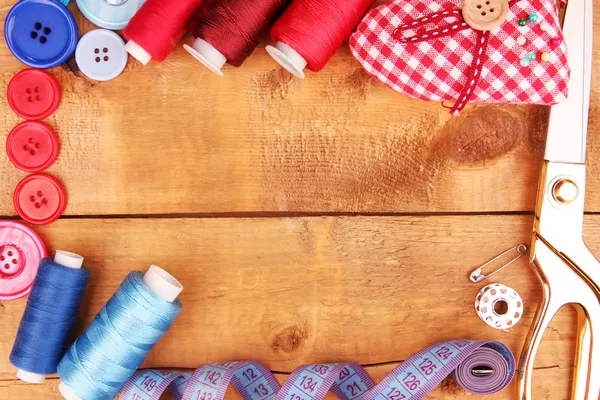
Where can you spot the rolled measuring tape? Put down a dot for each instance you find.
(480, 367)
(499, 306)
(109, 14)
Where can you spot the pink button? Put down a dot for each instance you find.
(21, 250)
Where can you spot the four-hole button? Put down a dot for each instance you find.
(33, 94)
(11, 259)
(40, 199)
(21, 250)
(40, 32)
(485, 15)
(32, 146)
(101, 55)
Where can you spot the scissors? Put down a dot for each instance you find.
(567, 270)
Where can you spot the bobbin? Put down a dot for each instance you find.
(288, 58)
(160, 282)
(66, 259)
(109, 14)
(499, 306)
(207, 54)
(138, 52)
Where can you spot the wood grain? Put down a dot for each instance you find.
(173, 138)
(292, 291)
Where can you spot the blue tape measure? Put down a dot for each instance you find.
(413, 379)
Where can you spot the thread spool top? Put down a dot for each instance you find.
(66, 259)
(162, 283)
(30, 377)
(67, 393)
(138, 52)
(205, 52)
(288, 58)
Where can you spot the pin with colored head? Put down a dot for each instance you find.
(66, 259)
(288, 58)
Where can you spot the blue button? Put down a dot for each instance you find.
(40, 33)
(109, 14)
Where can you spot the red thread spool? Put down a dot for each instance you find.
(310, 31)
(157, 27)
(229, 30)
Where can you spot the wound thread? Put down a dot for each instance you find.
(317, 28)
(158, 25)
(117, 341)
(234, 27)
(49, 317)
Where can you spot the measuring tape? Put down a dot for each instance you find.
(413, 379)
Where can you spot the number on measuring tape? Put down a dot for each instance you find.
(412, 379)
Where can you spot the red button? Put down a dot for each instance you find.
(21, 250)
(33, 94)
(32, 146)
(40, 199)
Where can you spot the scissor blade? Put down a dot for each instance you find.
(567, 130)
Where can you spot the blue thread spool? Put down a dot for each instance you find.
(41, 33)
(50, 314)
(119, 338)
(109, 14)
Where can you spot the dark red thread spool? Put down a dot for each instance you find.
(310, 31)
(157, 27)
(229, 30)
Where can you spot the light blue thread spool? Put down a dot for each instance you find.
(109, 14)
(119, 338)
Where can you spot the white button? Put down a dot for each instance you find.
(101, 55)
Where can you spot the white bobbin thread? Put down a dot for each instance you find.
(288, 58)
(138, 52)
(206, 53)
(160, 282)
(66, 259)
(499, 306)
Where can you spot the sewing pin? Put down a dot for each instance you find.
(476, 276)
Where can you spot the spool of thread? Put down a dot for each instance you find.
(310, 31)
(119, 338)
(499, 306)
(157, 27)
(49, 316)
(228, 31)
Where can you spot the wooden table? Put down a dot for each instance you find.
(324, 219)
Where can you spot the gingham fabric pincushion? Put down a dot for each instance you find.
(429, 49)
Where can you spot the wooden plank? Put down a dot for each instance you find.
(292, 291)
(174, 138)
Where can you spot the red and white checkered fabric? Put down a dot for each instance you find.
(435, 69)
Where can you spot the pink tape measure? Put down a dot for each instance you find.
(480, 367)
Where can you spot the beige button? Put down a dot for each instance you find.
(485, 15)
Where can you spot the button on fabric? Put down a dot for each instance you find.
(40, 33)
(109, 14)
(21, 250)
(32, 146)
(485, 15)
(33, 94)
(101, 55)
(40, 199)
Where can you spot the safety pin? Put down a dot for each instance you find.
(477, 276)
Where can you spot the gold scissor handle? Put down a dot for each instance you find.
(562, 285)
